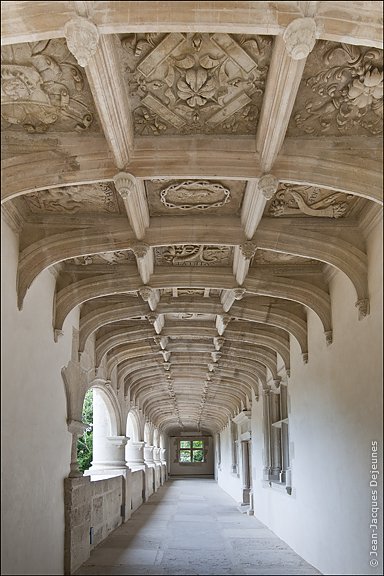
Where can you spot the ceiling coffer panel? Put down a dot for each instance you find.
(195, 83)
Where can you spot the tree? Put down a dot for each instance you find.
(85, 442)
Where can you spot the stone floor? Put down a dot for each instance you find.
(191, 526)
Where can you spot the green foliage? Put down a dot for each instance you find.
(85, 442)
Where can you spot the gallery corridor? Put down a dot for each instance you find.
(191, 526)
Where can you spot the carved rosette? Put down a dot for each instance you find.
(300, 37)
(268, 185)
(125, 184)
(82, 39)
(248, 250)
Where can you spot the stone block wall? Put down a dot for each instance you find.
(106, 507)
(92, 511)
(137, 489)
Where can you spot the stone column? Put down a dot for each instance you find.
(135, 454)
(117, 454)
(245, 471)
(163, 452)
(148, 455)
(76, 428)
(156, 455)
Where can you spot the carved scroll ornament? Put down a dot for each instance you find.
(191, 255)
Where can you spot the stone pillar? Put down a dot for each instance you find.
(76, 428)
(245, 471)
(117, 455)
(156, 455)
(148, 455)
(163, 452)
(135, 454)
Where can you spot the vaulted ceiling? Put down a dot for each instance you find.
(192, 172)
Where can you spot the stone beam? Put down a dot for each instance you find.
(351, 22)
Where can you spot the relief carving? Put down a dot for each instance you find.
(295, 200)
(82, 39)
(195, 194)
(111, 258)
(196, 83)
(42, 87)
(73, 199)
(348, 83)
(191, 255)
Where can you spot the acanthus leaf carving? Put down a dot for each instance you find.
(140, 250)
(350, 93)
(125, 184)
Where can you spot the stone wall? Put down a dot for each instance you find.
(137, 489)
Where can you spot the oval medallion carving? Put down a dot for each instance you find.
(195, 194)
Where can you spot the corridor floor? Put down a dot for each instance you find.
(191, 526)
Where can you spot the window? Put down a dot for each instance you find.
(276, 438)
(191, 451)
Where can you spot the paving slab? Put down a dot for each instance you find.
(192, 527)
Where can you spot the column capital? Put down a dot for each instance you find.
(82, 38)
(145, 292)
(300, 37)
(118, 440)
(238, 293)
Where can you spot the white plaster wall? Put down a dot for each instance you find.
(35, 442)
(228, 480)
(335, 412)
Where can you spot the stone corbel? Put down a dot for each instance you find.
(305, 357)
(162, 341)
(328, 337)
(216, 356)
(145, 260)
(150, 295)
(363, 307)
(218, 342)
(166, 355)
(241, 261)
(229, 296)
(133, 193)
(300, 38)
(157, 320)
(222, 321)
(82, 39)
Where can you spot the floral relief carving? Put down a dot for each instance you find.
(348, 88)
(74, 199)
(296, 200)
(42, 86)
(111, 258)
(196, 83)
(191, 255)
(195, 194)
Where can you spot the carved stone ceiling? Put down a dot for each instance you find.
(195, 83)
(192, 186)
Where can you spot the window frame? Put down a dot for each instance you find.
(191, 449)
